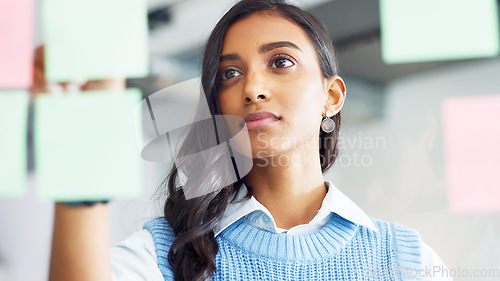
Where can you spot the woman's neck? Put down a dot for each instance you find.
(292, 191)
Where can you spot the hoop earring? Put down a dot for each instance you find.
(328, 125)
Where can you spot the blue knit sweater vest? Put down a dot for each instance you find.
(341, 250)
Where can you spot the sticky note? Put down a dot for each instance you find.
(471, 137)
(95, 39)
(13, 127)
(16, 50)
(85, 146)
(431, 30)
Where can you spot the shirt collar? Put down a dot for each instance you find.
(335, 201)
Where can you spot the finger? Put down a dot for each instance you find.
(112, 84)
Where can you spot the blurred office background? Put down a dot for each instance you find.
(392, 161)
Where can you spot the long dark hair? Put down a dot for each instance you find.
(192, 254)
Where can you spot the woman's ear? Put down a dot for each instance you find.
(336, 91)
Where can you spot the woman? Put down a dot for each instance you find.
(272, 65)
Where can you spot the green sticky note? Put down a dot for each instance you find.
(13, 126)
(85, 146)
(95, 39)
(431, 30)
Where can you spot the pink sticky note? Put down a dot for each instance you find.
(16, 48)
(471, 133)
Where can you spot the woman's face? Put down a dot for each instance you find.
(269, 64)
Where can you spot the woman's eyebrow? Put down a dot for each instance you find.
(263, 49)
(229, 57)
(274, 45)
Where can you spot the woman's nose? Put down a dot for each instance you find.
(256, 89)
(256, 97)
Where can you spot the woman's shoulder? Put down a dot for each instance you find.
(409, 246)
(160, 229)
(159, 222)
(405, 242)
(402, 237)
(396, 229)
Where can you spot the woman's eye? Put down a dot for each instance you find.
(282, 63)
(230, 74)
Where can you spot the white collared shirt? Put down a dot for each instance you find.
(257, 214)
(135, 257)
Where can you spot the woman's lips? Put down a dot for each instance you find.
(260, 119)
(260, 123)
